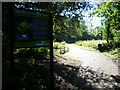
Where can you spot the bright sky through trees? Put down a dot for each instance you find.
(92, 21)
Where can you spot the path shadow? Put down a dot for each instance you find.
(70, 74)
(84, 77)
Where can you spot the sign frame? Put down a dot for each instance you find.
(39, 43)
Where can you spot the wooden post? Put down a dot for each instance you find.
(51, 57)
(12, 44)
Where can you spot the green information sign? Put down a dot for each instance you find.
(32, 28)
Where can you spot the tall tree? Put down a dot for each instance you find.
(111, 12)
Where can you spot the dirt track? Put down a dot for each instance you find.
(95, 60)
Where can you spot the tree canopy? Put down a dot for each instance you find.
(111, 12)
(67, 16)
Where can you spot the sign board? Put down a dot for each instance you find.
(32, 28)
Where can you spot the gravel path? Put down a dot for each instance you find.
(95, 60)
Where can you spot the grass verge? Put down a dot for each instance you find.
(92, 45)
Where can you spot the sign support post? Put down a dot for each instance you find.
(12, 46)
(51, 57)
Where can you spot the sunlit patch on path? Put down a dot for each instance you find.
(93, 59)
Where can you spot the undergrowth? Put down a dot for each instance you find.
(113, 53)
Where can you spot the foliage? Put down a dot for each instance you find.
(57, 45)
(67, 16)
(116, 53)
(43, 52)
(110, 11)
(110, 50)
(31, 66)
(31, 70)
(98, 32)
(93, 44)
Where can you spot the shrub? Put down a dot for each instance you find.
(63, 43)
(56, 45)
(79, 43)
(44, 51)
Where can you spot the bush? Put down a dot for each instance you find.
(90, 43)
(44, 51)
(27, 52)
(57, 45)
(63, 43)
(108, 47)
(79, 43)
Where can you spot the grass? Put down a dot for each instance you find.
(92, 45)
(113, 54)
